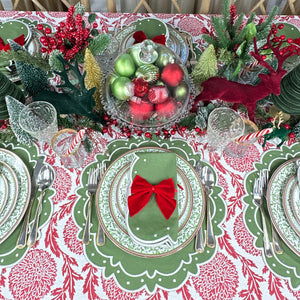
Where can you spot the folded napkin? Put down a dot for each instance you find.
(155, 221)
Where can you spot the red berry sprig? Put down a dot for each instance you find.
(70, 38)
(293, 45)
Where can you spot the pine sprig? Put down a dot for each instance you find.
(268, 21)
(99, 44)
(35, 59)
(226, 15)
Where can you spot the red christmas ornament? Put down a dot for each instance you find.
(140, 109)
(166, 109)
(172, 74)
(158, 94)
(140, 87)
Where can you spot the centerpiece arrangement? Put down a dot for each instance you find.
(247, 64)
(148, 87)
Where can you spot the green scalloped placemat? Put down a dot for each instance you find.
(286, 265)
(9, 253)
(131, 272)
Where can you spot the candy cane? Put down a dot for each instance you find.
(254, 135)
(75, 141)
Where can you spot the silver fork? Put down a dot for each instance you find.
(264, 176)
(199, 244)
(258, 196)
(92, 188)
(100, 240)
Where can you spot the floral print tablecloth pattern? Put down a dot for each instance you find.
(56, 267)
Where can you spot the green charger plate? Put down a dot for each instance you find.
(9, 253)
(133, 272)
(286, 265)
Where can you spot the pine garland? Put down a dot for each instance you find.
(36, 59)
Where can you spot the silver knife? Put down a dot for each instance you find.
(21, 242)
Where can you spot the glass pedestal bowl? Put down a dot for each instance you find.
(149, 88)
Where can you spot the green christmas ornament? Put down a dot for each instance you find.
(112, 77)
(124, 65)
(122, 88)
(181, 91)
(149, 72)
(164, 57)
(135, 51)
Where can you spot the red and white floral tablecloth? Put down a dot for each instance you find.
(56, 267)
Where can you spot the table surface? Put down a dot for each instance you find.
(57, 266)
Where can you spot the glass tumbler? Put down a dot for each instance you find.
(39, 119)
(239, 148)
(223, 126)
(60, 144)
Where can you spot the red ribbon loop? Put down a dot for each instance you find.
(140, 36)
(141, 191)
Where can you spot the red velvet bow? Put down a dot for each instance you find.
(140, 36)
(19, 40)
(141, 191)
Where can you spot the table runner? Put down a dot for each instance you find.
(56, 267)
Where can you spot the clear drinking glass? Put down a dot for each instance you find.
(240, 148)
(223, 126)
(60, 144)
(39, 119)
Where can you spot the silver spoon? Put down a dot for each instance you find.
(208, 180)
(45, 179)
